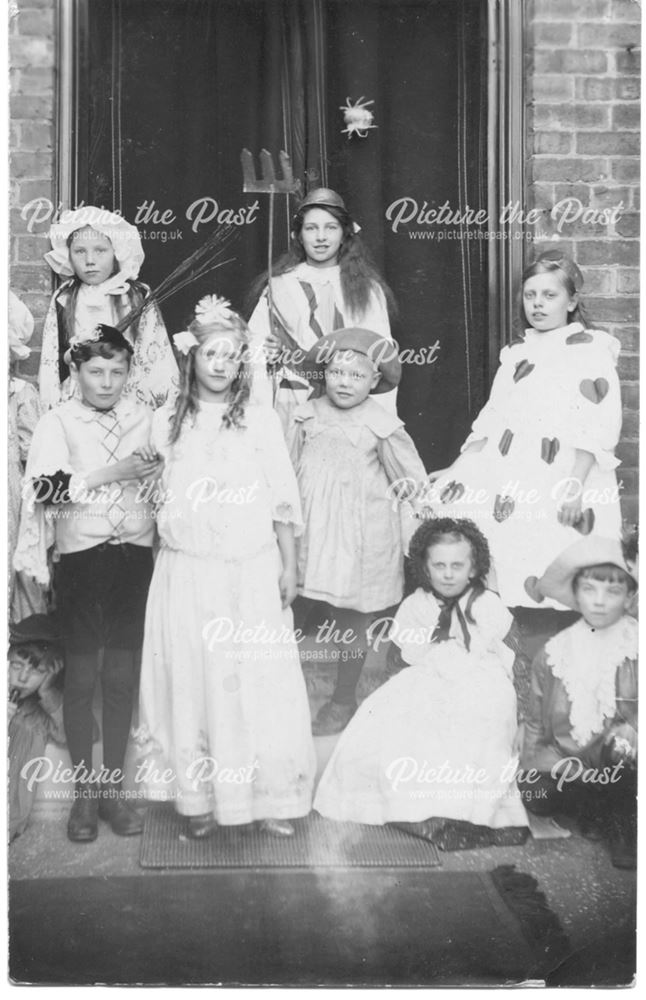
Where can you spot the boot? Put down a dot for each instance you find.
(83, 822)
(115, 809)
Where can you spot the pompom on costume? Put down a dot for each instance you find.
(153, 370)
(554, 393)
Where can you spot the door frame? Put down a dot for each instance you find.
(505, 147)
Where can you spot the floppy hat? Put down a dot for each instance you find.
(125, 239)
(556, 581)
(383, 353)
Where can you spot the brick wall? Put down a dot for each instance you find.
(31, 142)
(583, 144)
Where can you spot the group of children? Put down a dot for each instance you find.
(258, 485)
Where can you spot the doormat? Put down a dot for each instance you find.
(370, 927)
(318, 842)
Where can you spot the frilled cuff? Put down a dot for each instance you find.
(286, 513)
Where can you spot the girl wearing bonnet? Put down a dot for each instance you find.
(99, 255)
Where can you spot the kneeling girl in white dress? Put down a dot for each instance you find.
(437, 741)
(223, 706)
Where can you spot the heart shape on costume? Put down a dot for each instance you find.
(549, 449)
(503, 508)
(580, 338)
(531, 589)
(585, 524)
(452, 492)
(523, 368)
(594, 391)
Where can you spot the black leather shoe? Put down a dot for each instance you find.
(83, 822)
(122, 817)
(200, 827)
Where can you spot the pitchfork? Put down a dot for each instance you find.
(269, 184)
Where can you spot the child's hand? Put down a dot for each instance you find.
(135, 467)
(621, 740)
(12, 708)
(570, 512)
(287, 585)
(148, 453)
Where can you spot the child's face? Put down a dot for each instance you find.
(217, 363)
(450, 567)
(91, 256)
(23, 676)
(349, 378)
(102, 380)
(547, 302)
(321, 237)
(602, 602)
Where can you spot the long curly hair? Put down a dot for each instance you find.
(555, 262)
(187, 403)
(357, 271)
(439, 530)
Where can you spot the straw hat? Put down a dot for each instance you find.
(556, 581)
(383, 353)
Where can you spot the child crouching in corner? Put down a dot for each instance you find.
(580, 750)
(86, 493)
(35, 708)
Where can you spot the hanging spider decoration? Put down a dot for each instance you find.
(357, 117)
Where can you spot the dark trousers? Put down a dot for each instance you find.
(342, 634)
(101, 595)
(580, 799)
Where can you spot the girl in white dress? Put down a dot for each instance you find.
(223, 702)
(99, 255)
(436, 742)
(324, 283)
(538, 469)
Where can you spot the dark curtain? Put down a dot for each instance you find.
(172, 90)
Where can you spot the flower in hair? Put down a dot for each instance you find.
(212, 309)
(184, 340)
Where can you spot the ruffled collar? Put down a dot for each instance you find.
(367, 414)
(586, 661)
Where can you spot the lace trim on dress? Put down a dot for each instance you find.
(586, 661)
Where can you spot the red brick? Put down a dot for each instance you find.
(597, 281)
(614, 310)
(553, 34)
(630, 426)
(628, 280)
(636, 198)
(610, 197)
(580, 191)
(30, 51)
(571, 116)
(625, 10)
(628, 226)
(570, 61)
(627, 89)
(628, 367)
(608, 143)
(37, 135)
(552, 143)
(28, 190)
(628, 453)
(31, 277)
(29, 248)
(626, 116)
(628, 61)
(594, 88)
(626, 169)
(31, 164)
(629, 509)
(36, 81)
(629, 337)
(36, 22)
(611, 36)
(551, 10)
(31, 107)
(630, 397)
(551, 87)
(593, 170)
(600, 253)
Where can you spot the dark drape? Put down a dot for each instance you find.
(172, 90)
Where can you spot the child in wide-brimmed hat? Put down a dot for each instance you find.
(580, 750)
(353, 460)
